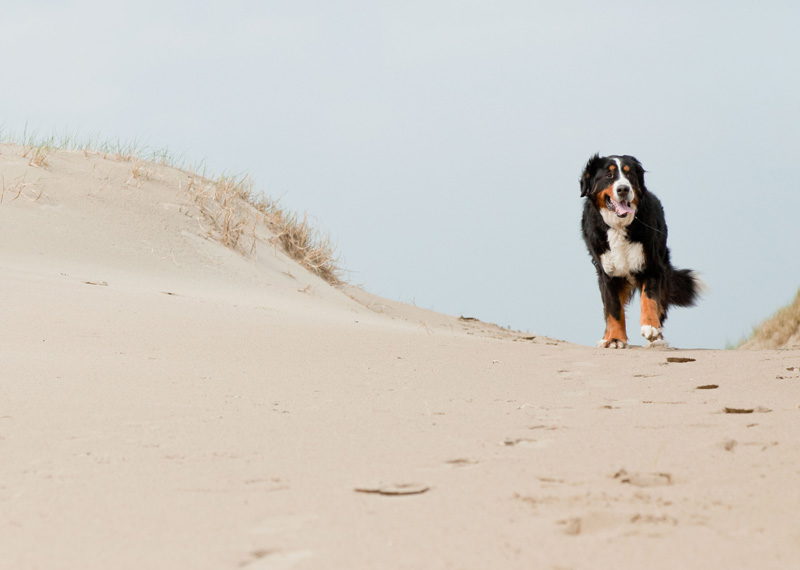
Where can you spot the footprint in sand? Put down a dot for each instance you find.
(732, 445)
(270, 530)
(592, 522)
(274, 559)
(757, 409)
(643, 479)
(596, 522)
(461, 462)
(394, 489)
(526, 442)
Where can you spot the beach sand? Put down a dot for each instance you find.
(167, 402)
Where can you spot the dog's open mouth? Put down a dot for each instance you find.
(621, 209)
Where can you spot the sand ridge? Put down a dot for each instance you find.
(167, 402)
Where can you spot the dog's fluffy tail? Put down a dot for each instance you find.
(685, 287)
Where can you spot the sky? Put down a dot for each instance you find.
(439, 143)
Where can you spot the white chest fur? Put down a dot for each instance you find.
(624, 257)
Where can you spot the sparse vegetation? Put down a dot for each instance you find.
(234, 210)
(225, 202)
(140, 173)
(302, 242)
(780, 330)
(117, 150)
(228, 203)
(37, 155)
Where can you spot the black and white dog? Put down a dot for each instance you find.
(626, 234)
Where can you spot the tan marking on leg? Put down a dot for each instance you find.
(651, 320)
(651, 312)
(615, 328)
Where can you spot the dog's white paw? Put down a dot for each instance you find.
(652, 333)
(654, 336)
(613, 343)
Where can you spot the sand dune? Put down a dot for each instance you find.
(781, 330)
(169, 402)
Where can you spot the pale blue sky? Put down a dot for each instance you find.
(439, 143)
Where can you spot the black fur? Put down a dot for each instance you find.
(667, 285)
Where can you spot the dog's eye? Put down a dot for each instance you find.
(609, 175)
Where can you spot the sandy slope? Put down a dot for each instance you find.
(781, 330)
(168, 403)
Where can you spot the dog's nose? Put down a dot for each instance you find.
(623, 190)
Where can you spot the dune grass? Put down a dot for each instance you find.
(301, 241)
(779, 330)
(228, 203)
(140, 172)
(37, 147)
(37, 155)
(224, 204)
(234, 209)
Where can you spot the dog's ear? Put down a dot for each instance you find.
(588, 174)
(638, 170)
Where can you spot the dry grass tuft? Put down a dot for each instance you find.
(302, 242)
(234, 211)
(780, 330)
(140, 173)
(37, 155)
(225, 203)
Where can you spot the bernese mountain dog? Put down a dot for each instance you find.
(625, 231)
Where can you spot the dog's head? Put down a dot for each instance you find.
(615, 185)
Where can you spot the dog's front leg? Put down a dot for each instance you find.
(651, 316)
(616, 293)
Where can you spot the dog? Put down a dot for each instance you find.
(625, 232)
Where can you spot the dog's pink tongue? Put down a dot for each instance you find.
(621, 208)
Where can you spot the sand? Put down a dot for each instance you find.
(166, 402)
